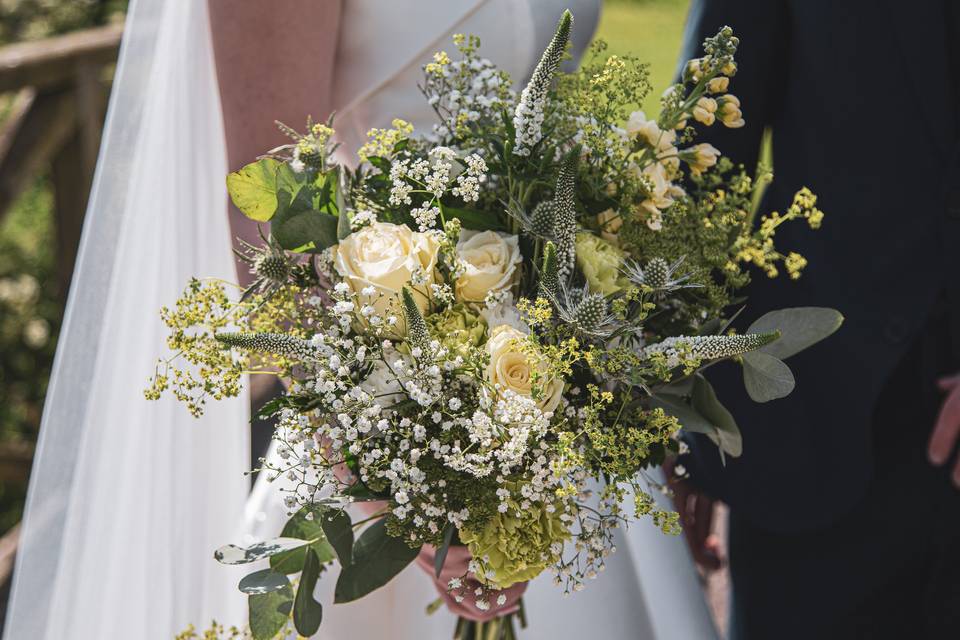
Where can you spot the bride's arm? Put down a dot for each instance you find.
(274, 62)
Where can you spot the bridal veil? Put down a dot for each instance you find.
(128, 498)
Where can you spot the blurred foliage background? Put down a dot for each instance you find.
(31, 305)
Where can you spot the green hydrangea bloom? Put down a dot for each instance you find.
(516, 546)
(457, 328)
(600, 262)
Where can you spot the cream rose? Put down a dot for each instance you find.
(490, 262)
(511, 368)
(385, 256)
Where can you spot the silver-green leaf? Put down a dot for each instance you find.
(766, 377)
(233, 554)
(704, 400)
(263, 581)
(800, 327)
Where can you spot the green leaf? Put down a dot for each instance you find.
(300, 527)
(766, 377)
(232, 554)
(377, 558)
(704, 400)
(473, 219)
(269, 612)
(263, 581)
(307, 612)
(343, 225)
(253, 189)
(688, 417)
(441, 556)
(297, 226)
(339, 532)
(800, 327)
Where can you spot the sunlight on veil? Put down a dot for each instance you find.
(128, 498)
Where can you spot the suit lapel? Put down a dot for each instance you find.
(921, 40)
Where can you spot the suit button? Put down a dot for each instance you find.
(896, 330)
(953, 204)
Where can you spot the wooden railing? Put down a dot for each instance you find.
(56, 95)
(60, 88)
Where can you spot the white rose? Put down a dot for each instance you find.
(512, 369)
(385, 256)
(490, 262)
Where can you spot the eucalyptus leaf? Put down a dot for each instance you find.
(800, 327)
(688, 417)
(263, 581)
(339, 532)
(233, 554)
(377, 558)
(307, 612)
(299, 526)
(704, 400)
(253, 189)
(766, 377)
(269, 612)
(441, 555)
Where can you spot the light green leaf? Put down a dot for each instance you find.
(800, 327)
(377, 558)
(766, 377)
(300, 527)
(263, 581)
(269, 612)
(253, 189)
(307, 612)
(704, 400)
(232, 554)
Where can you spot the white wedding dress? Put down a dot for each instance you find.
(129, 498)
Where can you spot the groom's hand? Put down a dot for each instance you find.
(696, 516)
(946, 431)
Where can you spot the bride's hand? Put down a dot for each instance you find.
(946, 430)
(696, 516)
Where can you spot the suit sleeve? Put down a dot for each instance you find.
(763, 29)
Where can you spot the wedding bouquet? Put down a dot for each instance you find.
(490, 333)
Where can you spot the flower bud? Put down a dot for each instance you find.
(693, 71)
(718, 84)
(729, 111)
(701, 157)
(729, 69)
(704, 111)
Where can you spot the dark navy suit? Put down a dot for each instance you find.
(839, 527)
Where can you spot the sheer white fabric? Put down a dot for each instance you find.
(128, 498)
